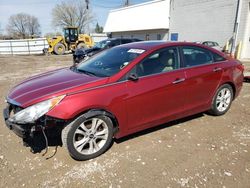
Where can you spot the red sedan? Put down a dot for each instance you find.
(122, 91)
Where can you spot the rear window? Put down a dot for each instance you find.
(218, 58)
(216, 44)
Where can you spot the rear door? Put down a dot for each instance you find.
(203, 76)
(160, 91)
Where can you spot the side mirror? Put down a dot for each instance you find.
(133, 77)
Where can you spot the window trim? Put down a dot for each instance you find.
(190, 46)
(224, 59)
(125, 77)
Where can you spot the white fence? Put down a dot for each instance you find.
(23, 46)
(97, 37)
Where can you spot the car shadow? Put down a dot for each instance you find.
(38, 143)
(159, 127)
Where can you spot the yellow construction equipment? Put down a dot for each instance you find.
(70, 41)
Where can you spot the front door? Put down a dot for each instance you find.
(160, 91)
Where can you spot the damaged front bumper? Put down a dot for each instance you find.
(22, 131)
(52, 126)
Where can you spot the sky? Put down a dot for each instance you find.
(42, 9)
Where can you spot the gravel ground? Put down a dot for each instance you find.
(200, 151)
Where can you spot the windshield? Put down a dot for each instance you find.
(109, 62)
(102, 44)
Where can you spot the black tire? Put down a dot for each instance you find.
(59, 49)
(81, 45)
(70, 137)
(226, 103)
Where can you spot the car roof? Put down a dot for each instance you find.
(208, 41)
(147, 45)
(111, 39)
(154, 45)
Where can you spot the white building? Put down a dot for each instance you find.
(146, 21)
(97, 37)
(185, 20)
(210, 20)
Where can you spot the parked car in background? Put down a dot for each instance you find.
(121, 91)
(247, 77)
(212, 44)
(83, 53)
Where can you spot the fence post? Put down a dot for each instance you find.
(28, 45)
(11, 48)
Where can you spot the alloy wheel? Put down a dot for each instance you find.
(223, 99)
(90, 136)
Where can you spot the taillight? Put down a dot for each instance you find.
(241, 67)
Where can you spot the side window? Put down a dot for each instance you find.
(216, 44)
(125, 41)
(218, 58)
(210, 44)
(194, 56)
(164, 60)
(205, 43)
(113, 43)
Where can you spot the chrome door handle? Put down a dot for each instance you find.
(178, 81)
(217, 69)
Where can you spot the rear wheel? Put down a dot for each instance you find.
(59, 49)
(88, 138)
(81, 45)
(222, 100)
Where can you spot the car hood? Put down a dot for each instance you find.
(86, 51)
(50, 84)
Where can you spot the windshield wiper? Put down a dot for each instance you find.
(86, 72)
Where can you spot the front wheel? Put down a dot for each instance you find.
(59, 49)
(222, 100)
(88, 138)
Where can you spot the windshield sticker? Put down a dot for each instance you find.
(137, 51)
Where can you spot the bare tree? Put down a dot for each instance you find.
(52, 34)
(33, 26)
(1, 32)
(23, 25)
(72, 13)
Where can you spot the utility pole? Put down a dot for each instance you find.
(87, 4)
(236, 27)
(127, 3)
(87, 7)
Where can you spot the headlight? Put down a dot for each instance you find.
(32, 113)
